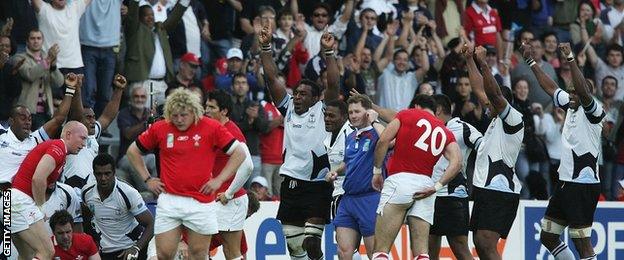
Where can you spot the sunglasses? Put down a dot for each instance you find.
(193, 66)
(320, 15)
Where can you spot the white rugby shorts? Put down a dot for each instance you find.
(24, 211)
(173, 211)
(400, 188)
(231, 216)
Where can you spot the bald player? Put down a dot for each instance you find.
(41, 167)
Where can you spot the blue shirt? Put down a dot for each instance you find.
(99, 25)
(359, 158)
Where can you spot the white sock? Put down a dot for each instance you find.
(562, 252)
(380, 256)
(422, 257)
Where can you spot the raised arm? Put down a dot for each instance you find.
(175, 16)
(578, 80)
(132, 18)
(112, 108)
(76, 110)
(424, 59)
(476, 80)
(492, 90)
(382, 62)
(277, 89)
(348, 11)
(58, 118)
(333, 73)
(544, 80)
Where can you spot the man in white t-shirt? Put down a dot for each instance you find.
(60, 196)
(60, 22)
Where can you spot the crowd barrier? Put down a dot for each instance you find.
(266, 241)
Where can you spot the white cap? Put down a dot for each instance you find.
(234, 53)
(260, 180)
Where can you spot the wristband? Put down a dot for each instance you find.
(530, 61)
(266, 48)
(148, 178)
(438, 186)
(70, 91)
(329, 52)
(137, 248)
(376, 171)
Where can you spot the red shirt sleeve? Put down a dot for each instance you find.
(148, 140)
(450, 137)
(57, 152)
(222, 138)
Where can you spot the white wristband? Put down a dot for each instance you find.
(376, 171)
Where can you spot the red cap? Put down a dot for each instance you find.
(190, 58)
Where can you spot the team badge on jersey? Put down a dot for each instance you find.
(170, 140)
(196, 138)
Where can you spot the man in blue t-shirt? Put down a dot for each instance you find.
(355, 217)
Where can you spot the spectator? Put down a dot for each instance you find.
(467, 107)
(234, 65)
(250, 117)
(611, 18)
(271, 146)
(613, 67)
(481, 20)
(366, 31)
(320, 22)
(551, 49)
(564, 14)
(549, 126)
(122, 223)
(186, 76)
(363, 72)
(148, 58)
(448, 15)
(251, 9)
(99, 34)
(59, 21)
(259, 186)
(522, 70)
(586, 28)
(500, 73)
(191, 34)
(67, 243)
(159, 7)
(397, 85)
(39, 74)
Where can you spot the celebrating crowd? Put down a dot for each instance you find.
(151, 129)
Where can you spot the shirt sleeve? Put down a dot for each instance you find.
(98, 130)
(283, 105)
(137, 205)
(450, 137)
(594, 112)
(472, 136)
(148, 140)
(57, 152)
(512, 120)
(561, 99)
(223, 139)
(40, 135)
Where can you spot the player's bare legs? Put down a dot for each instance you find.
(583, 245)
(25, 251)
(198, 245)
(486, 242)
(419, 235)
(167, 243)
(348, 239)
(369, 243)
(388, 225)
(459, 246)
(435, 242)
(231, 243)
(37, 239)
